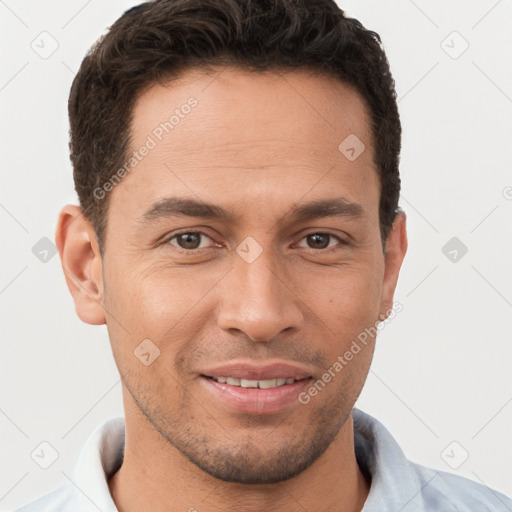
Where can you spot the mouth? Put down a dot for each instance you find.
(260, 384)
(251, 396)
(249, 388)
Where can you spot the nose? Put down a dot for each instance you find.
(258, 299)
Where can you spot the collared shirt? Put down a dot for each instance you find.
(397, 484)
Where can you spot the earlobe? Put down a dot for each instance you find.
(396, 248)
(81, 263)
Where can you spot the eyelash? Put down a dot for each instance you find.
(327, 249)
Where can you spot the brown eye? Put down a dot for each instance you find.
(321, 241)
(318, 240)
(190, 240)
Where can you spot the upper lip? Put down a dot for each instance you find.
(254, 371)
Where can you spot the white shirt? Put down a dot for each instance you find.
(397, 485)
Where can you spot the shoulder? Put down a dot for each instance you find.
(400, 484)
(101, 455)
(441, 490)
(58, 500)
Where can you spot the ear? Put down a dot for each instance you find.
(81, 262)
(395, 249)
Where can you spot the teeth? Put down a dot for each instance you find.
(266, 384)
(262, 384)
(248, 383)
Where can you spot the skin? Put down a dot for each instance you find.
(257, 145)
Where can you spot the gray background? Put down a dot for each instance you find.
(441, 379)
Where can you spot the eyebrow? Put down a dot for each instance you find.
(182, 207)
(339, 207)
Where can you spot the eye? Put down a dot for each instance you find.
(188, 240)
(195, 240)
(320, 241)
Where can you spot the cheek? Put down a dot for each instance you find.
(160, 303)
(348, 298)
(348, 313)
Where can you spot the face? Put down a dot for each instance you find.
(245, 245)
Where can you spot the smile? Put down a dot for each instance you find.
(261, 384)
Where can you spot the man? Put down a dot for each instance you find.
(239, 234)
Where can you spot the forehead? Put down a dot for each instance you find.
(226, 131)
(311, 106)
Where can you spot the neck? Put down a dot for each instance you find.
(155, 476)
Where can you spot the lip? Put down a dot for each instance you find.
(254, 400)
(252, 371)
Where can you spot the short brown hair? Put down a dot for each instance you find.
(160, 39)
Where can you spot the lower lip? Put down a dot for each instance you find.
(255, 400)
